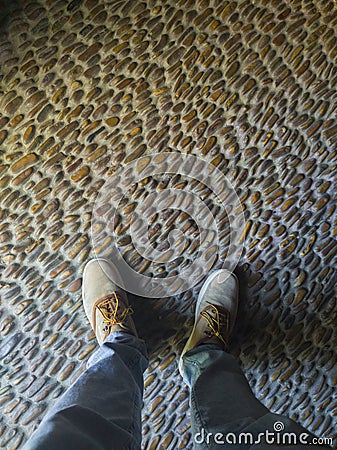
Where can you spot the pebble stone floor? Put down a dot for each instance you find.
(89, 86)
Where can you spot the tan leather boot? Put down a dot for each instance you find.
(105, 303)
(215, 312)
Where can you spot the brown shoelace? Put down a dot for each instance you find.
(218, 323)
(108, 307)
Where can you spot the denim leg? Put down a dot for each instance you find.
(222, 402)
(102, 410)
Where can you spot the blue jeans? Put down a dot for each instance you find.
(102, 410)
(224, 412)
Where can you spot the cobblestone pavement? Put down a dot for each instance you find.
(88, 86)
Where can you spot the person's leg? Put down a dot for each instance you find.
(102, 410)
(219, 392)
(222, 403)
